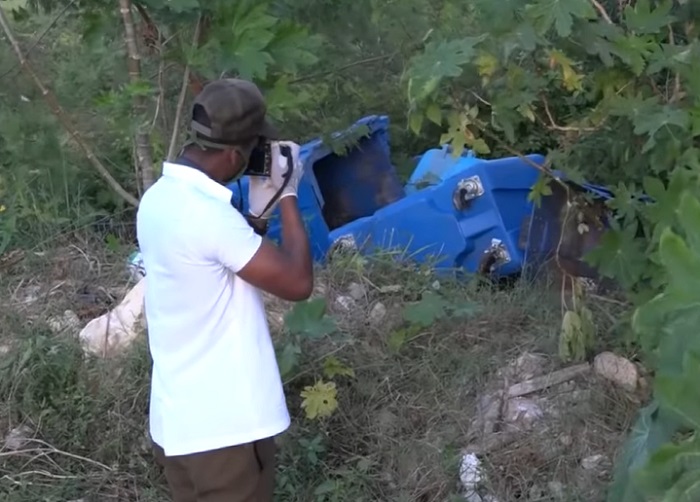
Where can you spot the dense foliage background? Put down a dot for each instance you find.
(608, 90)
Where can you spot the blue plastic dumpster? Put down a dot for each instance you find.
(469, 217)
(552, 232)
(471, 220)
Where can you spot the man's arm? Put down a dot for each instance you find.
(285, 271)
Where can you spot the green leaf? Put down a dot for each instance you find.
(434, 114)
(293, 47)
(641, 19)
(319, 400)
(439, 60)
(689, 217)
(635, 51)
(427, 311)
(400, 336)
(309, 319)
(287, 359)
(180, 6)
(332, 367)
(663, 117)
(686, 489)
(652, 429)
(680, 393)
(597, 39)
(415, 122)
(621, 255)
(669, 464)
(560, 13)
(455, 138)
(479, 146)
(540, 189)
(682, 264)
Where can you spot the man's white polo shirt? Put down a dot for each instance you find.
(215, 380)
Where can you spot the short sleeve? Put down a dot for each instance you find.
(235, 241)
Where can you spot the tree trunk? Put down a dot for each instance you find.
(186, 79)
(60, 114)
(144, 151)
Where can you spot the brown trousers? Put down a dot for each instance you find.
(244, 473)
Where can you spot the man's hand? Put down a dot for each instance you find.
(265, 193)
(285, 271)
(261, 191)
(281, 168)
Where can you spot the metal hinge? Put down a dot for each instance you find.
(467, 190)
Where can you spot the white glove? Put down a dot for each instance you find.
(279, 168)
(262, 190)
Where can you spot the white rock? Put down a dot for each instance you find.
(470, 475)
(346, 303)
(18, 438)
(556, 490)
(118, 329)
(392, 288)
(377, 314)
(522, 413)
(536, 492)
(530, 365)
(566, 440)
(617, 369)
(593, 462)
(357, 291)
(69, 321)
(436, 285)
(31, 294)
(4, 349)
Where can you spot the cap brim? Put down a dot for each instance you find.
(269, 131)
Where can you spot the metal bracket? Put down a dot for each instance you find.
(494, 256)
(343, 244)
(467, 190)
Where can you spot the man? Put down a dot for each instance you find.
(216, 394)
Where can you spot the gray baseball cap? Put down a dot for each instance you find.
(236, 113)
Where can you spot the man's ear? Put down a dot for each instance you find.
(236, 159)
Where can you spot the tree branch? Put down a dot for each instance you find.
(183, 95)
(553, 125)
(677, 90)
(545, 169)
(601, 11)
(60, 114)
(374, 59)
(144, 151)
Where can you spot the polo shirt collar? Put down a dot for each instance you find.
(198, 179)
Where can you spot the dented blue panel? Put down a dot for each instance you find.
(428, 225)
(437, 165)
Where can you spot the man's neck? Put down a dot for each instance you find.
(192, 157)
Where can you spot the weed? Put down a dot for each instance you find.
(380, 407)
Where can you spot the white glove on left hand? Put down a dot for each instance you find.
(281, 168)
(261, 190)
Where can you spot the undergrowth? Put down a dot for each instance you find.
(381, 404)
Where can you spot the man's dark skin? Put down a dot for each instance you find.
(285, 271)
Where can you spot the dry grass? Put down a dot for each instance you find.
(401, 422)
